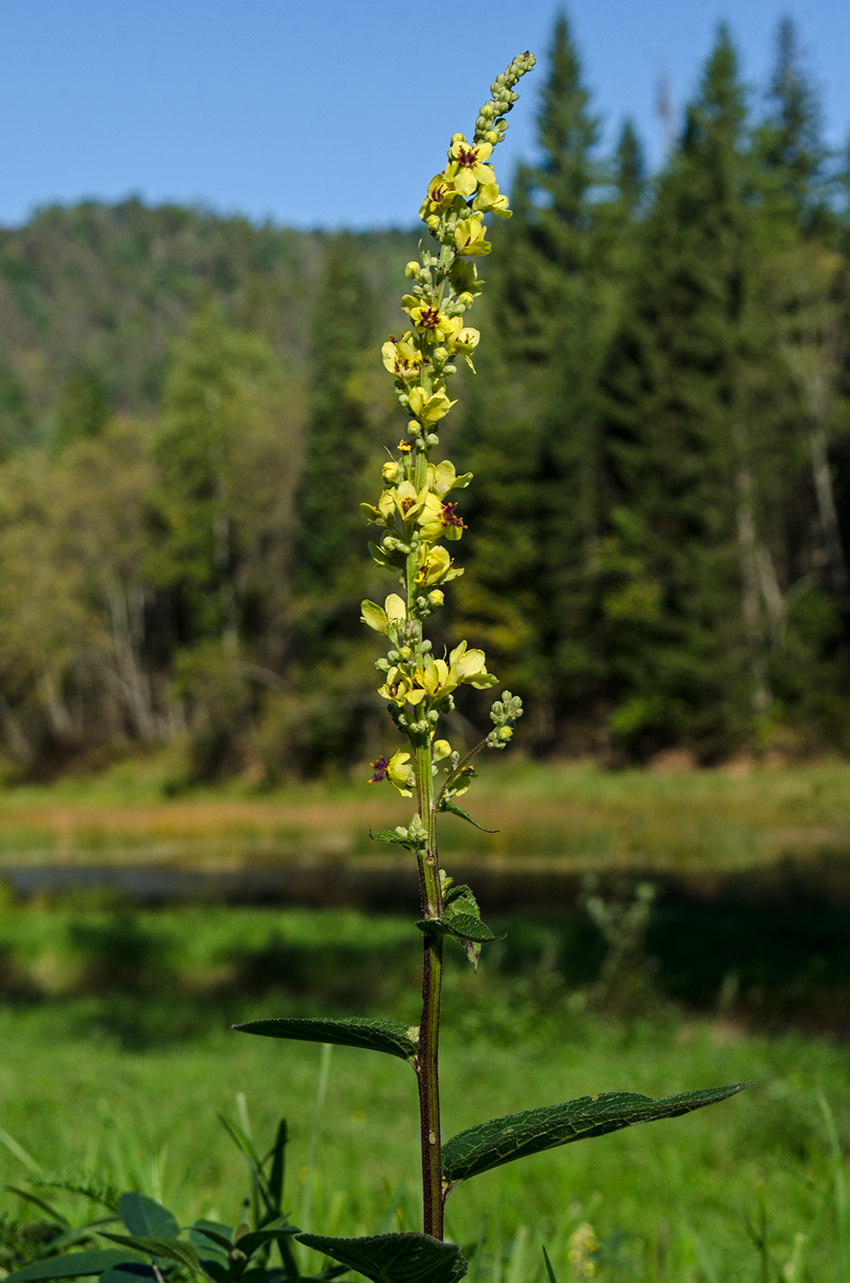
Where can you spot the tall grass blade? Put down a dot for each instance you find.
(321, 1092)
(839, 1186)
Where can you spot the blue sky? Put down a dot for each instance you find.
(320, 113)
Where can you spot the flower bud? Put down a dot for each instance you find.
(390, 472)
(411, 270)
(404, 652)
(435, 599)
(440, 354)
(442, 748)
(505, 733)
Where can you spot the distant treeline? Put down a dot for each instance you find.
(191, 408)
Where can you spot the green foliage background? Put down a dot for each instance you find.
(190, 406)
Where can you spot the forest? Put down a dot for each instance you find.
(191, 406)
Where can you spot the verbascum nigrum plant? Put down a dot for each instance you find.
(419, 521)
(416, 513)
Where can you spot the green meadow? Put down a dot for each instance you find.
(118, 1052)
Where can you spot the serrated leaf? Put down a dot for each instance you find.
(394, 1258)
(390, 835)
(501, 1140)
(462, 920)
(143, 1215)
(168, 1248)
(390, 1036)
(453, 809)
(73, 1265)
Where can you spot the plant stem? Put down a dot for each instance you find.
(429, 1026)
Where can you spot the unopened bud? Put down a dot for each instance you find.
(390, 472)
(411, 270)
(435, 599)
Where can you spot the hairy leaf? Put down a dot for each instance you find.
(501, 1140)
(390, 835)
(74, 1265)
(394, 1258)
(391, 1036)
(454, 809)
(462, 920)
(143, 1215)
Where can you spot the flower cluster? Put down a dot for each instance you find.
(416, 510)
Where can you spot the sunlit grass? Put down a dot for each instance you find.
(570, 812)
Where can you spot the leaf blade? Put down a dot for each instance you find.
(73, 1265)
(502, 1140)
(390, 1036)
(394, 1258)
(452, 808)
(168, 1248)
(144, 1216)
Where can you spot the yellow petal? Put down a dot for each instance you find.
(395, 608)
(373, 616)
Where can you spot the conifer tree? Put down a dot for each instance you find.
(539, 457)
(790, 139)
(343, 325)
(677, 639)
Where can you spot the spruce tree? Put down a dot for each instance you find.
(537, 460)
(790, 139)
(343, 325)
(680, 654)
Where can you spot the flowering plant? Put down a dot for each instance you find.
(414, 514)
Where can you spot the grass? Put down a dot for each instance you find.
(123, 1071)
(679, 1192)
(570, 812)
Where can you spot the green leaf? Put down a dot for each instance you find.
(462, 920)
(74, 1265)
(454, 809)
(143, 1215)
(501, 1140)
(390, 1036)
(128, 1272)
(549, 1270)
(204, 1233)
(394, 1258)
(169, 1249)
(390, 835)
(249, 1243)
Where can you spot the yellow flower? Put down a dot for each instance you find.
(436, 566)
(397, 686)
(439, 519)
(427, 319)
(406, 502)
(489, 200)
(405, 446)
(397, 770)
(429, 409)
(401, 358)
(440, 195)
(464, 341)
(470, 666)
(470, 234)
(464, 667)
(466, 168)
(443, 478)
